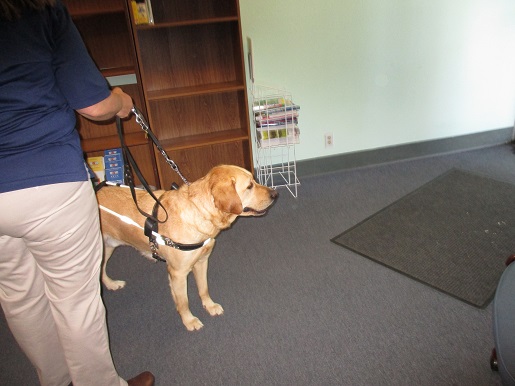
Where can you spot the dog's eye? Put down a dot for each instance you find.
(251, 185)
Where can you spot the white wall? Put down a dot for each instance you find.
(379, 73)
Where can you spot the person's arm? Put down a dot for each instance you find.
(118, 103)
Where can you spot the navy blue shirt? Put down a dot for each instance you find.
(45, 74)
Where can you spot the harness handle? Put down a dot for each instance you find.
(129, 166)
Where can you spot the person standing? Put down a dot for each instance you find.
(50, 240)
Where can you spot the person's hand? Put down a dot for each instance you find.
(126, 102)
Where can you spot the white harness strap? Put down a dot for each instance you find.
(161, 240)
(130, 221)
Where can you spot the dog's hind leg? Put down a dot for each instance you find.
(108, 282)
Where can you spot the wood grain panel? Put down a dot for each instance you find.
(180, 10)
(108, 40)
(201, 114)
(190, 56)
(82, 8)
(195, 163)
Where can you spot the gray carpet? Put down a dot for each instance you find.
(299, 309)
(454, 234)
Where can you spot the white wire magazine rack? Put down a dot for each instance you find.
(276, 134)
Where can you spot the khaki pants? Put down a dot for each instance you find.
(50, 257)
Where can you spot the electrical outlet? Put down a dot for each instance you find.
(329, 140)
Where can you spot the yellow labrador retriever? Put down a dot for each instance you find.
(196, 214)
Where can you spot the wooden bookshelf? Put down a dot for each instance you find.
(192, 72)
(189, 81)
(106, 29)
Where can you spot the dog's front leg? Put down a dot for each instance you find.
(179, 288)
(200, 272)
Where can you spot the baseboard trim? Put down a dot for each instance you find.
(352, 160)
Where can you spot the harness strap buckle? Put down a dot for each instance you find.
(153, 249)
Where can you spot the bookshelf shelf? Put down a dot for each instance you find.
(192, 141)
(194, 90)
(186, 23)
(113, 141)
(117, 71)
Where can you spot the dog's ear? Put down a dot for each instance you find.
(225, 197)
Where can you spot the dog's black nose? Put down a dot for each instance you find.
(274, 194)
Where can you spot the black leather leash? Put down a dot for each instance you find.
(152, 219)
(130, 165)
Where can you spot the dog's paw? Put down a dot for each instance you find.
(193, 324)
(114, 285)
(214, 309)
